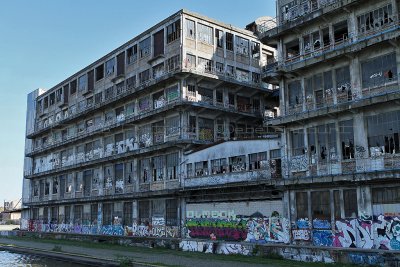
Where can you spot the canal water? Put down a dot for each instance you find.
(9, 259)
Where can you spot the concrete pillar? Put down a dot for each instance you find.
(395, 8)
(355, 77)
(303, 93)
(99, 216)
(301, 46)
(182, 215)
(282, 97)
(281, 54)
(364, 201)
(352, 26)
(134, 211)
(331, 34)
(360, 142)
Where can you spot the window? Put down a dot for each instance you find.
(144, 212)
(67, 214)
(158, 71)
(347, 139)
(242, 46)
(173, 31)
(255, 77)
(229, 41)
(132, 54)
(201, 168)
(172, 93)
(336, 204)
(172, 166)
(158, 168)
(190, 29)
(379, 70)
(219, 36)
(55, 185)
(78, 214)
(376, 19)
(119, 178)
(131, 82)
(46, 187)
(205, 64)
(350, 203)
(189, 170)
(343, 79)
(255, 50)
(297, 137)
(385, 201)
(219, 166)
(206, 129)
(171, 212)
(295, 93)
(384, 133)
(242, 75)
(275, 154)
(144, 103)
(144, 170)
(107, 213)
(237, 164)
(230, 71)
(205, 33)
(144, 76)
(72, 87)
(192, 124)
(302, 205)
(258, 161)
(94, 208)
(321, 205)
(158, 44)
(99, 72)
(82, 82)
(172, 126)
(173, 63)
(327, 142)
(144, 47)
(219, 67)
(128, 213)
(110, 66)
(219, 97)
(190, 61)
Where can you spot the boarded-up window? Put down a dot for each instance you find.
(90, 81)
(121, 63)
(159, 43)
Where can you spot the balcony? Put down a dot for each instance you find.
(302, 14)
(353, 42)
(343, 100)
(312, 169)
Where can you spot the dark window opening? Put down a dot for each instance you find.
(173, 31)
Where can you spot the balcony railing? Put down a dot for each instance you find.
(344, 41)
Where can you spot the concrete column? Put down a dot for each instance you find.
(395, 8)
(281, 54)
(360, 142)
(182, 215)
(303, 93)
(301, 46)
(99, 216)
(134, 211)
(282, 97)
(288, 205)
(364, 200)
(331, 34)
(355, 77)
(352, 26)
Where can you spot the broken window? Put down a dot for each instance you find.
(158, 132)
(144, 76)
(219, 67)
(258, 161)
(132, 54)
(173, 63)
(297, 137)
(79, 181)
(110, 66)
(321, 205)
(144, 103)
(205, 64)
(230, 71)
(46, 187)
(190, 29)
(255, 50)
(219, 36)
(128, 213)
(327, 142)
(158, 39)
(292, 49)
(190, 61)
(375, 20)
(158, 100)
(129, 173)
(229, 41)
(350, 203)
(130, 109)
(379, 70)
(172, 166)
(385, 201)
(206, 95)
(59, 95)
(145, 47)
(82, 82)
(325, 37)
(384, 133)
(107, 213)
(347, 139)
(302, 205)
(242, 75)
(219, 166)
(158, 168)
(192, 124)
(119, 143)
(201, 168)
(205, 34)
(145, 136)
(172, 126)
(340, 31)
(158, 71)
(121, 63)
(144, 212)
(119, 178)
(242, 46)
(173, 31)
(237, 163)
(171, 212)
(255, 77)
(52, 98)
(72, 87)
(144, 170)
(343, 84)
(131, 82)
(316, 40)
(295, 93)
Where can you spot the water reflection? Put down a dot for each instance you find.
(8, 259)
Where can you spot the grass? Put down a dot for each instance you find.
(272, 260)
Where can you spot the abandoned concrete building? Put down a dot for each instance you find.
(164, 130)
(337, 70)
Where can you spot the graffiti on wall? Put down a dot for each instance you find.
(214, 247)
(301, 234)
(355, 233)
(322, 238)
(388, 232)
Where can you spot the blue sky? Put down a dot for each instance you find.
(42, 42)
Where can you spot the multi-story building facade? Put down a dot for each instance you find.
(337, 70)
(172, 118)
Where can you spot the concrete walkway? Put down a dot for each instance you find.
(109, 257)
